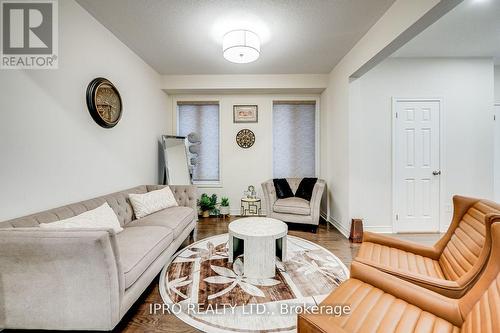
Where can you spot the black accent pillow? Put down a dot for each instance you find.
(282, 188)
(306, 188)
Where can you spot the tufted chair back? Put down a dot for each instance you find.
(118, 201)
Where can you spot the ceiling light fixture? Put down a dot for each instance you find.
(241, 46)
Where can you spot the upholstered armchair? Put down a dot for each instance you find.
(294, 209)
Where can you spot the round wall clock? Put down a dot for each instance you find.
(104, 102)
(245, 138)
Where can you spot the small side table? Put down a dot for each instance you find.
(251, 207)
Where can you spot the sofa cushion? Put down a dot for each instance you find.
(139, 247)
(305, 189)
(152, 202)
(282, 188)
(174, 218)
(372, 310)
(379, 255)
(292, 205)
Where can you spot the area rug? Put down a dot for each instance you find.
(205, 291)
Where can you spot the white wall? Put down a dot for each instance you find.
(51, 151)
(497, 133)
(465, 87)
(241, 167)
(497, 84)
(392, 26)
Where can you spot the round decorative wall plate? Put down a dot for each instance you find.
(245, 138)
(104, 102)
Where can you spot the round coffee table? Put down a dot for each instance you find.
(260, 240)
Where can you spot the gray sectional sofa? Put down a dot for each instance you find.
(86, 279)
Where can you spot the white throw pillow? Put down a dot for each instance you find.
(100, 217)
(148, 203)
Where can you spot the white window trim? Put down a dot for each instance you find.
(317, 141)
(175, 120)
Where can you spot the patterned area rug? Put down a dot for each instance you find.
(207, 292)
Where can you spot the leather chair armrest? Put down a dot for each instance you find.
(416, 248)
(432, 302)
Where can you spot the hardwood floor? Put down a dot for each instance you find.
(139, 319)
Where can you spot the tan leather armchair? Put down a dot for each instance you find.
(294, 210)
(453, 264)
(380, 302)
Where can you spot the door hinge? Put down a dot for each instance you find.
(397, 217)
(396, 115)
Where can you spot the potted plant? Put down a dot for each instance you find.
(224, 206)
(207, 204)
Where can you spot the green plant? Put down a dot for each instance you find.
(207, 203)
(224, 202)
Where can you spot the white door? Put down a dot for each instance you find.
(416, 165)
(497, 152)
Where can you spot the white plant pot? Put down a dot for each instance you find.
(224, 210)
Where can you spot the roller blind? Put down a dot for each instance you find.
(294, 139)
(202, 118)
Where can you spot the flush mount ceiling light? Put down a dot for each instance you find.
(241, 46)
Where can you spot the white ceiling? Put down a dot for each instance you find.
(472, 29)
(184, 36)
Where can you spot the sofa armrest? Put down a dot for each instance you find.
(269, 195)
(59, 279)
(416, 248)
(315, 203)
(437, 304)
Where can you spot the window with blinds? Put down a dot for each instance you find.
(203, 119)
(294, 139)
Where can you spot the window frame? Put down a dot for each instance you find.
(317, 127)
(175, 120)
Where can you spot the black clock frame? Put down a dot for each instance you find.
(91, 103)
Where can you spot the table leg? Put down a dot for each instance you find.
(260, 258)
(230, 249)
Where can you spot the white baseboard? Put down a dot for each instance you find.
(343, 230)
(382, 229)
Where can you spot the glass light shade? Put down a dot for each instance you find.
(241, 46)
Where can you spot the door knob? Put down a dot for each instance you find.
(436, 172)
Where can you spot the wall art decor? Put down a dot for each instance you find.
(245, 138)
(245, 114)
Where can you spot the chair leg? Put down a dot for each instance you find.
(314, 229)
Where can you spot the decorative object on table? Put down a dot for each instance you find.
(224, 206)
(104, 102)
(245, 138)
(251, 206)
(356, 235)
(208, 204)
(294, 209)
(201, 274)
(250, 192)
(174, 163)
(245, 114)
